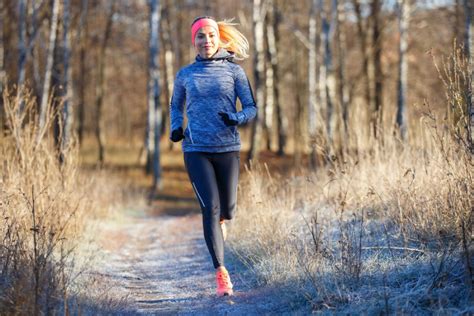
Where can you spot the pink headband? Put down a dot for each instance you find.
(201, 23)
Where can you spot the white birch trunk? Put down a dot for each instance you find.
(67, 80)
(154, 107)
(259, 69)
(312, 98)
(166, 37)
(312, 70)
(321, 87)
(403, 23)
(327, 78)
(48, 70)
(269, 74)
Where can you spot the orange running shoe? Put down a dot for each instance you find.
(224, 286)
(224, 229)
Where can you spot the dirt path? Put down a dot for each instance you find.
(161, 263)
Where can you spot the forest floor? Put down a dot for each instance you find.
(154, 260)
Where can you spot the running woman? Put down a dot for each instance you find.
(209, 89)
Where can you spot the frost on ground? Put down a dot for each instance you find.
(160, 265)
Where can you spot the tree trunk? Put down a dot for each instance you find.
(274, 39)
(22, 8)
(168, 64)
(99, 131)
(327, 80)
(377, 107)
(269, 76)
(33, 51)
(82, 37)
(153, 91)
(38, 81)
(312, 97)
(3, 73)
(298, 113)
(457, 20)
(45, 97)
(56, 93)
(342, 93)
(404, 17)
(322, 95)
(362, 34)
(67, 117)
(469, 44)
(259, 69)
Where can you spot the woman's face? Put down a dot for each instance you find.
(206, 41)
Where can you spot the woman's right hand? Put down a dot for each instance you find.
(177, 135)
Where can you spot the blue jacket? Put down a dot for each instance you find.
(207, 87)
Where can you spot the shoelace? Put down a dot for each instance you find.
(223, 277)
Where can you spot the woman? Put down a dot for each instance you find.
(209, 87)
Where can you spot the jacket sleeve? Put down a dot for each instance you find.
(177, 103)
(245, 94)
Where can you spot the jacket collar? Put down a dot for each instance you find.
(221, 54)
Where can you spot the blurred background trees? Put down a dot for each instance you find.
(330, 77)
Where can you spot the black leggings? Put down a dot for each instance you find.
(214, 178)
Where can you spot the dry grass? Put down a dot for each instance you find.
(383, 231)
(45, 208)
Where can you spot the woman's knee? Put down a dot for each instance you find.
(211, 211)
(228, 211)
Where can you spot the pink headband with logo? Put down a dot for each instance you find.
(201, 23)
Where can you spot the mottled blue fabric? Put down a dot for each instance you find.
(207, 87)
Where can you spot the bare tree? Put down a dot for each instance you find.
(312, 97)
(49, 68)
(270, 61)
(403, 23)
(83, 33)
(67, 115)
(168, 56)
(469, 44)
(22, 15)
(299, 111)
(342, 88)
(362, 34)
(153, 91)
(259, 56)
(34, 28)
(3, 73)
(457, 19)
(377, 107)
(99, 128)
(273, 44)
(327, 83)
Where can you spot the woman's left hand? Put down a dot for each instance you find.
(228, 121)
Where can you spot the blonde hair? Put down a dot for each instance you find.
(231, 39)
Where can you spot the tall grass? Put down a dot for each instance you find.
(45, 205)
(389, 231)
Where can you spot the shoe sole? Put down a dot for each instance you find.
(230, 293)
